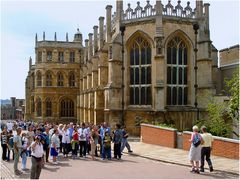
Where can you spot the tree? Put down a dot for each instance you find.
(233, 107)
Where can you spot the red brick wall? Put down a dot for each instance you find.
(221, 146)
(159, 136)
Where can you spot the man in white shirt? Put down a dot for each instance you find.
(206, 149)
(37, 158)
(82, 133)
(9, 126)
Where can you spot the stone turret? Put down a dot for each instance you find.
(30, 63)
(78, 37)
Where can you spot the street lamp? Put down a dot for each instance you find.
(122, 29)
(195, 28)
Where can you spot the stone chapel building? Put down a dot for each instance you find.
(141, 63)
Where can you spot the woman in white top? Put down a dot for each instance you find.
(66, 140)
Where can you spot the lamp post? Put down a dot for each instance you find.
(195, 28)
(122, 29)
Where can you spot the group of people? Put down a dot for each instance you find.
(201, 146)
(46, 139)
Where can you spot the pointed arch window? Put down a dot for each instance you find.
(48, 107)
(71, 79)
(39, 79)
(39, 107)
(140, 73)
(49, 79)
(67, 108)
(60, 79)
(177, 67)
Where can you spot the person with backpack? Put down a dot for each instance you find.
(46, 145)
(206, 149)
(10, 145)
(195, 150)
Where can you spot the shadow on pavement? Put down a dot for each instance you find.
(219, 175)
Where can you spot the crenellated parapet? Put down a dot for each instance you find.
(147, 11)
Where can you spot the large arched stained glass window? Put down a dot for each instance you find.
(140, 73)
(67, 108)
(177, 88)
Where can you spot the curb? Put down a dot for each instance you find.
(176, 163)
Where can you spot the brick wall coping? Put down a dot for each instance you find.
(219, 138)
(159, 127)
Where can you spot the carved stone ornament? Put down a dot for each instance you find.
(159, 45)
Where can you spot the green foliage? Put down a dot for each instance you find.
(165, 125)
(233, 86)
(216, 124)
(139, 120)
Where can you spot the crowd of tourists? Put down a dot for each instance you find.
(45, 141)
(200, 149)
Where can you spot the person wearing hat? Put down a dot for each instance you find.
(37, 158)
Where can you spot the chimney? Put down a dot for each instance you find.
(66, 37)
(86, 50)
(55, 36)
(119, 10)
(95, 34)
(43, 35)
(199, 8)
(101, 24)
(108, 23)
(90, 46)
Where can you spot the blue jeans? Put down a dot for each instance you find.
(106, 153)
(24, 160)
(125, 144)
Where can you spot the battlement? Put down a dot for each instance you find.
(150, 11)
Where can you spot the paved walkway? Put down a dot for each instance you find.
(158, 153)
(180, 157)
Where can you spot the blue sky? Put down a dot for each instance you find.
(21, 20)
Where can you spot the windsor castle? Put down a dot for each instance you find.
(152, 62)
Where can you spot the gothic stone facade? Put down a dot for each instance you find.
(158, 53)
